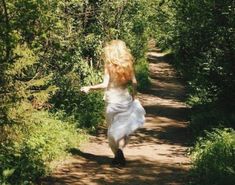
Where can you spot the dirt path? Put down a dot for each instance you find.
(156, 154)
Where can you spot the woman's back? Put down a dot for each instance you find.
(116, 92)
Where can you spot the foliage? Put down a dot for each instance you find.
(213, 158)
(164, 29)
(48, 50)
(142, 74)
(28, 151)
(96, 30)
(86, 111)
(207, 117)
(201, 36)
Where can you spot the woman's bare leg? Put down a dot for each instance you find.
(119, 158)
(113, 144)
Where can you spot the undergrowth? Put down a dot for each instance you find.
(213, 158)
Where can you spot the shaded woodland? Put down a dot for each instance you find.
(50, 48)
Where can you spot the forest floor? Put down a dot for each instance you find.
(156, 154)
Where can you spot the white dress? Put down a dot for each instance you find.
(123, 115)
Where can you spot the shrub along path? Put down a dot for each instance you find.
(156, 154)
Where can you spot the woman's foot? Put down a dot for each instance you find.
(119, 158)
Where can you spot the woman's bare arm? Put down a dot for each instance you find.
(134, 86)
(102, 85)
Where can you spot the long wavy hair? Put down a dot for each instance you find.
(118, 61)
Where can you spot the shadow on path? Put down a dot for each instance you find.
(137, 172)
(156, 154)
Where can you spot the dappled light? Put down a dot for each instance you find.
(156, 153)
(93, 169)
(69, 70)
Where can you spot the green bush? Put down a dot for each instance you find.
(85, 110)
(209, 116)
(30, 150)
(213, 158)
(204, 118)
(142, 74)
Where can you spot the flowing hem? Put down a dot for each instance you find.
(124, 119)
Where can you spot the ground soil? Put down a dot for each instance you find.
(156, 154)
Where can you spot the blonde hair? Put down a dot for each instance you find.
(118, 61)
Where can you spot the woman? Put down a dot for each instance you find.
(124, 114)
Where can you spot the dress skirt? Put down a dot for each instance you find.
(123, 115)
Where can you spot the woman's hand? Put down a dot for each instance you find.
(85, 89)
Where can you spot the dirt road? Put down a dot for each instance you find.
(156, 154)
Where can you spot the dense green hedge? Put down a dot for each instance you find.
(213, 158)
(32, 145)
